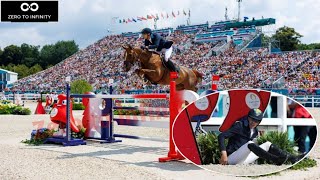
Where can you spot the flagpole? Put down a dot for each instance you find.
(189, 21)
(113, 21)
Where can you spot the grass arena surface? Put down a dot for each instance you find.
(130, 159)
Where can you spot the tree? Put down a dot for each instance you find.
(47, 55)
(1, 52)
(80, 87)
(64, 49)
(309, 46)
(34, 69)
(288, 37)
(11, 54)
(55, 53)
(30, 54)
(22, 70)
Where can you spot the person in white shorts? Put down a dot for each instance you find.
(242, 147)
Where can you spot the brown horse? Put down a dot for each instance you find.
(152, 68)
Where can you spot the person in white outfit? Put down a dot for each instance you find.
(155, 41)
(242, 146)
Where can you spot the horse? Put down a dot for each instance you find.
(152, 68)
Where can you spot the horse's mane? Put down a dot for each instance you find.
(148, 53)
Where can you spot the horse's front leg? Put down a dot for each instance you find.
(141, 74)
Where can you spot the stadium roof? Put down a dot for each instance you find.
(9, 72)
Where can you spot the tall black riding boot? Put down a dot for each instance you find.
(279, 152)
(171, 66)
(261, 153)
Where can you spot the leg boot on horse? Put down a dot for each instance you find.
(171, 66)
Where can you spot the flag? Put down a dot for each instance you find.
(162, 16)
(134, 20)
(178, 13)
(143, 18)
(129, 20)
(153, 16)
(139, 18)
(184, 13)
(114, 19)
(120, 21)
(189, 12)
(124, 21)
(149, 17)
(157, 17)
(173, 14)
(167, 15)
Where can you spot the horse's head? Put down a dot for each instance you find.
(133, 55)
(129, 57)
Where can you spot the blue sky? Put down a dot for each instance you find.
(87, 21)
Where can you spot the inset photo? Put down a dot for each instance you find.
(245, 132)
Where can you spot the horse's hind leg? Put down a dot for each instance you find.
(180, 87)
(189, 84)
(193, 81)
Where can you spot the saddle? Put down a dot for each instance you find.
(161, 58)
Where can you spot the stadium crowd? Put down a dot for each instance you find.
(103, 60)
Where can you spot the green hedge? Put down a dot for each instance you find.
(209, 148)
(6, 107)
(42, 134)
(76, 106)
(21, 111)
(126, 112)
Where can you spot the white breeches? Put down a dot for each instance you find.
(167, 53)
(244, 156)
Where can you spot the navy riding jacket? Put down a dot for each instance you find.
(157, 42)
(237, 135)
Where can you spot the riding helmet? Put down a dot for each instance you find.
(256, 114)
(146, 31)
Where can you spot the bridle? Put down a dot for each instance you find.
(135, 59)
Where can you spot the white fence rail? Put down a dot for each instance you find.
(23, 97)
(314, 101)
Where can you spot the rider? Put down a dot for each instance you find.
(155, 41)
(242, 148)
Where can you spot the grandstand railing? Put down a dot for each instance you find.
(23, 97)
(279, 83)
(245, 45)
(307, 101)
(222, 48)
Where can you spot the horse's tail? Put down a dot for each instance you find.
(198, 75)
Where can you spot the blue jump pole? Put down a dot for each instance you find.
(68, 137)
(112, 120)
(107, 127)
(69, 141)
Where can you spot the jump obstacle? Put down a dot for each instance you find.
(107, 133)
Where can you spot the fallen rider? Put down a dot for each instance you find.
(242, 147)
